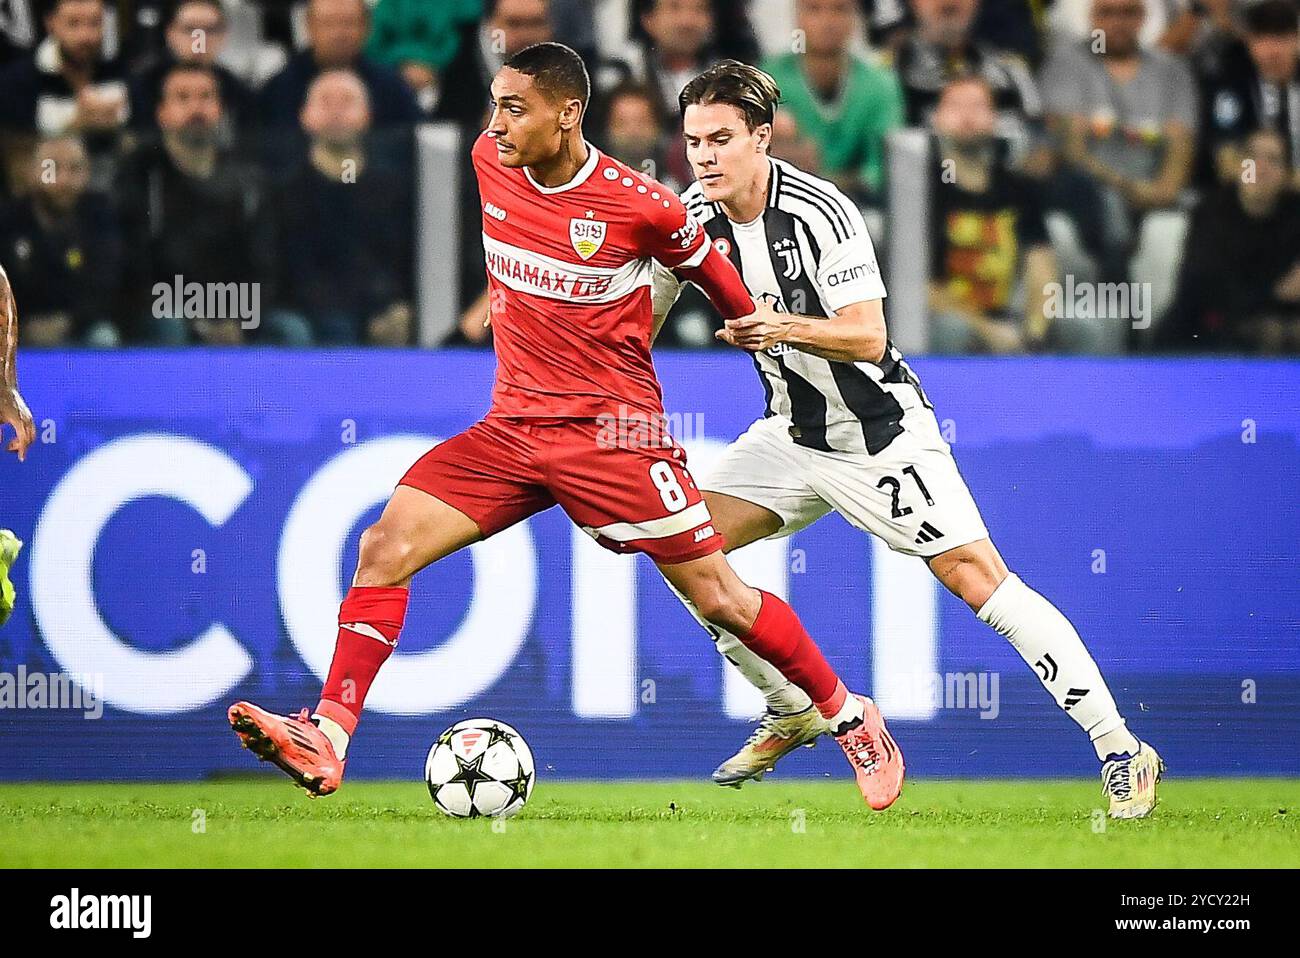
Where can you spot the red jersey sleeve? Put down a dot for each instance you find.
(721, 282)
(670, 234)
(677, 240)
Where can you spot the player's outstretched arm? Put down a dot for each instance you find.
(856, 333)
(720, 281)
(13, 410)
(679, 243)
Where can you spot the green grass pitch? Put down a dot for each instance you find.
(266, 822)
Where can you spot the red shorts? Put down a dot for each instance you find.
(627, 492)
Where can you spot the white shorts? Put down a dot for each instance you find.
(910, 494)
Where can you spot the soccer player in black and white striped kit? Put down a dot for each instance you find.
(848, 427)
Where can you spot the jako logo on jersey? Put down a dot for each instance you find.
(494, 211)
(704, 533)
(587, 236)
(789, 253)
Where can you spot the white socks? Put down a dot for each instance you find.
(1043, 636)
(1049, 643)
(782, 695)
(334, 732)
(850, 713)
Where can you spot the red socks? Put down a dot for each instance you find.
(370, 619)
(778, 636)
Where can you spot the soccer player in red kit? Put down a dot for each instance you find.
(571, 238)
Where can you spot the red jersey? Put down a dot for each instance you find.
(569, 276)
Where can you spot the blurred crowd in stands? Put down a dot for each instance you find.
(1108, 175)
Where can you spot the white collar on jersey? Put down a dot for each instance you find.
(593, 158)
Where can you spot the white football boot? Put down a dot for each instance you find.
(775, 737)
(1130, 781)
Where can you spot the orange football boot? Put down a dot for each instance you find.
(291, 742)
(876, 758)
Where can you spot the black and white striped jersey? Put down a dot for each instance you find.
(809, 253)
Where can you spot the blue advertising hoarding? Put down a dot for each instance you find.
(192, 518)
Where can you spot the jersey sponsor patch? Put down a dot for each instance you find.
(851, 273)
(538, 275)
(587, 235)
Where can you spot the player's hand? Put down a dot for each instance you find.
(761, 329)
(727, 336)
(14, 412)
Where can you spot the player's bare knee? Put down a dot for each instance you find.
(972, 576)
(710, 600)
(727, 608)
(384, 557)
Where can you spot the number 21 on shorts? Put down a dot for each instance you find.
(895, 487)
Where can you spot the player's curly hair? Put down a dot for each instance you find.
(747, 88)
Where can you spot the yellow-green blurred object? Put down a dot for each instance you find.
(9, 546)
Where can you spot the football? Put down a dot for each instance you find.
(480, 768)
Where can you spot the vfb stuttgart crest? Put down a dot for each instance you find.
(587, 236)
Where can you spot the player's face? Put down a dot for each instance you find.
(527, 126)
(725, 155)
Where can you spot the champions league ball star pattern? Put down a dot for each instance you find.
(480, 768)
